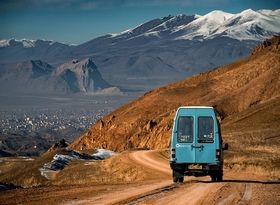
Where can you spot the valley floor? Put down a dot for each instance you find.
(157, 188)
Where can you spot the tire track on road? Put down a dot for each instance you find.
(246, 195)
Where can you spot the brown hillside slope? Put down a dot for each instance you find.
(147, 121)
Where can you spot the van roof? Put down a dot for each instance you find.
(188, 107)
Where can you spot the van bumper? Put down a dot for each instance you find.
(204, 170)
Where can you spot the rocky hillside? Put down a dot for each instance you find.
(232, 89)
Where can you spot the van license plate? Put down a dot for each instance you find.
(195, 166)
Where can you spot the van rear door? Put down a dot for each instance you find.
(185, 138)
(205, 148)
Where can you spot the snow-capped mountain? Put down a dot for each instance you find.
(203, 26)
(250, 25)
(13, 50)
(157, 28)
(247, 25)
(27, 43)
(161, 50)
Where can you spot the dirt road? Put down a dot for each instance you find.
(192, 191)
(158, 189)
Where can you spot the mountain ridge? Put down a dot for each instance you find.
(36, 76)
(231, 89)
(162, 50)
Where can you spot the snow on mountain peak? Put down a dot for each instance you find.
(204, 25)
(251, 25)
(26, 43)
(219, 16)
(4, 43)
(247, 25)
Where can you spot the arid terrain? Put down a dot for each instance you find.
(144, 177)
(246, 95)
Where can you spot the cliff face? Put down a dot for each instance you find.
(80, 76)
(147, 121)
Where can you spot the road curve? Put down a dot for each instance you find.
(152, 160)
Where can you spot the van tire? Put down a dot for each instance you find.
(178, 179)
(219, 177)
(178, 176)
(175, 179)
(181, 179)
(213, 178)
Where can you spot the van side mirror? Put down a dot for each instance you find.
(225, 146)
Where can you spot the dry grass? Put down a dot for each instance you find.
(114, 170)
(24, 173)
(254, 139)
(251, 153)
(117, 169)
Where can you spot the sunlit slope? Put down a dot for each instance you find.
(147, 121)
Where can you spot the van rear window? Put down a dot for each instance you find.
(185, 129)
(205, 130)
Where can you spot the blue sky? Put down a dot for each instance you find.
(77, 21)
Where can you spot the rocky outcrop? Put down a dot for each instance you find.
(80, 76)
(272, 44)
(58, 145)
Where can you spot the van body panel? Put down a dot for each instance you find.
(196, 140)
(195, 151)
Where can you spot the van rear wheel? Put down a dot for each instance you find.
(175, 179)
(178, 176)
(213, 178)
(217, 177)
(178, 179)
(181, 179)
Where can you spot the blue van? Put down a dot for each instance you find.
(196, 144)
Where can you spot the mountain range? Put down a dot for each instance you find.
(36, 76)
(159, 51)
(246, 94)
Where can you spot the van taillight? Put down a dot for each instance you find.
(173, 153)
(218, 153)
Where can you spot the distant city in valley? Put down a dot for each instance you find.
(31, 125)
(56, 120)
